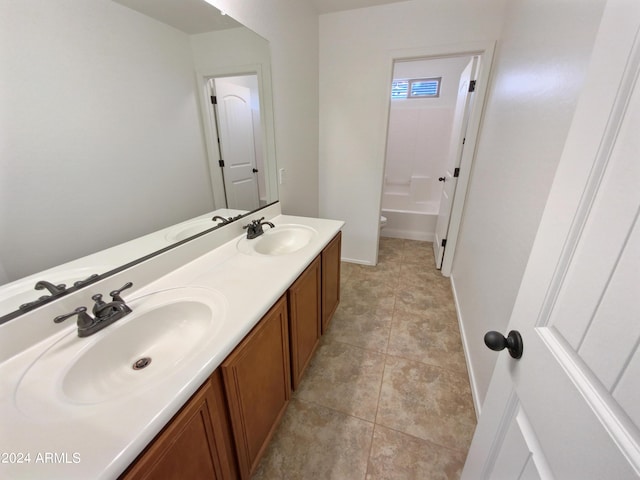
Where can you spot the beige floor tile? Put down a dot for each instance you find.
(397, 456)
(419, 301)
(430, 338)
(427, 402)
(356, 299)
(346, 269)
(314, 442)
(415, 251)
(392, 355)
(380, 280)
(423, 275)
(369, 330)
(344, 378)
(390, 249)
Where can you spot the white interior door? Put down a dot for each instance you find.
(570, 407)
(235, 120)
(459, 127)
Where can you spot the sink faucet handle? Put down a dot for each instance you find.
(254, 223)
(80, 283)
(84, 319)
(115, 295)
(98, 299)
(97, 307)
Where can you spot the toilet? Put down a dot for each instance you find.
(383, 221)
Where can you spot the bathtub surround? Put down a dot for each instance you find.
(410, 224)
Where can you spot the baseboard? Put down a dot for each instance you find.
(465, 346)
(359, 262)
(407, 234)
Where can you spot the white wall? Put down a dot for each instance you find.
(539, 70)
(291, 27)
(356, 48)
(101, 136)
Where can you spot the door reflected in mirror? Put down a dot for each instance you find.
(236, 108)
(109, 136)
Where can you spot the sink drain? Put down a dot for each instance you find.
(141, 363)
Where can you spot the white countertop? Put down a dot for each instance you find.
(100, 440)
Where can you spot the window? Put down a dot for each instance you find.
(399, 89)
(416, 88)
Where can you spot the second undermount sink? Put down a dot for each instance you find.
(165, 330)
(281, 240)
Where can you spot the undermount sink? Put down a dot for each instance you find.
(281, 240)
(194, 226)
(149, 345)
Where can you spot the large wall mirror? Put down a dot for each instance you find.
(111, 111)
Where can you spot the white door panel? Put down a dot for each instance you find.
(578, 308)
(458, 129)
(237, 145)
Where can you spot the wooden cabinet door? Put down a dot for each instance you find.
(258, 384)
(304, 319)
(188, 447)
(330, 280)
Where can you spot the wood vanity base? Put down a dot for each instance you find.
(223, 430)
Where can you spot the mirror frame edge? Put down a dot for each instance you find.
(19, 312)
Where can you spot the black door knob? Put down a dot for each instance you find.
(255, 170)
(442, 179)
(496, 341)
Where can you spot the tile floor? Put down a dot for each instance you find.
(386, 395)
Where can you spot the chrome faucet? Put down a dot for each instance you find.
(254, 229)
(104, 314)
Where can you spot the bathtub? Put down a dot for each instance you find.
(407, 218)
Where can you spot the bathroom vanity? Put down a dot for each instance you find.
(226, 327)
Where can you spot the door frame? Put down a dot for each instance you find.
(218, 88)
(484, 50)
(210, 130)
(457, 136)
(600, 110)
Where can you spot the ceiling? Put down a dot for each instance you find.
(328, 6)
(189, 16)
(197, 16)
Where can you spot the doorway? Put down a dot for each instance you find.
(235, 103)
(429, 146)
(420, 136)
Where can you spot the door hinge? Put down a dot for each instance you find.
(456, 172)
(214, 100)
(221, 163)
(464, 140)
(472, 86)
(443, 243)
